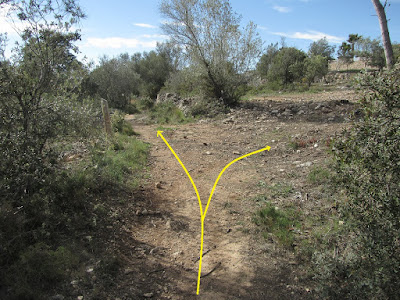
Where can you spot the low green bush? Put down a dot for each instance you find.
(366, 264)
(168, 113)
(279, 222)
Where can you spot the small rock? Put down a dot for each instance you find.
(307, 164)
(208, 153)
(300, 112)
(158, 185)
(74, 282)
(128, 271)
(148, 295)
(236, 152)
(274, 112)
(89, 269)
(79, 298)
(145, 212)
(341, 222)
(315, 145)
(168, 224)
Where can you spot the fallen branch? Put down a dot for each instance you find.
(213, 269)
(198, 258)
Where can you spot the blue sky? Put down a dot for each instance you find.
(114, 27)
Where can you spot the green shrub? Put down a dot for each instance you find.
(281, 190)
(40, 270)
(167, 113)
(121, 162)
(279, 222)
(145, 103)
(207, 107)
(131, 109)
(119, 124)
(319, 175)
(367, 264)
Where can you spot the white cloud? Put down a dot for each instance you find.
(143, 25)
(282, 9)
(155, 36)
(311, 35)
(262, 27)
(118, 42)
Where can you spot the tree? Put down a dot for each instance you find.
(371, 51)
(153, 69)
(345, 54)
(266, 59)
(209, 32)
(287, 66)
(38, 95)
(387, 45)
(116, 80)
(315, 67)
(352, 40)
(322, 48)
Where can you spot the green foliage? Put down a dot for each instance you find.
(367, 166)
(119, 124)
(116, 80)
(266, 60)
(345, 54)
(214, 43)
(321, 48)
(396, 52)
(316, 67)
(168, 113)
(279, 222)
(371, 51)
(121, 162)
(280, 190)
(40, 269)
(206, 107)
(287, 66)
(145, 103)
(153, 69)
(319, 175)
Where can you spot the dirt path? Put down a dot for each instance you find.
(245, 265)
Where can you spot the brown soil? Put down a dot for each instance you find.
(162, 237)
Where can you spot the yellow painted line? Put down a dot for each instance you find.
(203, 215)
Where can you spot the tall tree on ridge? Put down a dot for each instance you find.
(387, 45)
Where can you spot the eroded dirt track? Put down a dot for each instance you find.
(244, 265)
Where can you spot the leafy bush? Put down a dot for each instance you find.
(40, 269)
(167, 113)
(121, 161)
(367, 264)
(279, 222)
(145, 103)
(119, 124)
(207, 107)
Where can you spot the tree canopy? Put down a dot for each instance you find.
(209, 32)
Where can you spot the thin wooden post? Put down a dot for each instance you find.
(106, 117)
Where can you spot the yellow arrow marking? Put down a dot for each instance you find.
(203, 215)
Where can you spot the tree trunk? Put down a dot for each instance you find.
(387, 45)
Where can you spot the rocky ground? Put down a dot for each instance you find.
(159, 235)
